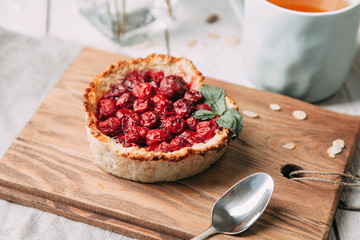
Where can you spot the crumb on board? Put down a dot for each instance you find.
(274, 107)
(339, 142)
(289, 145)
(336, 148)
(250, 114)
(101, 186)
(299, 114)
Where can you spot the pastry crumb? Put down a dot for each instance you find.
(299, 114)
(339, 142)
(336, 148)
(250, 114)
(274, 107)
(333, 150)
(289, 145)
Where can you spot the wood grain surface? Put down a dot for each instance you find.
(49, 166)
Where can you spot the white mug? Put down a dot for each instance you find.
(300, 54)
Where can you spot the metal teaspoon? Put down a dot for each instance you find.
(240, 206)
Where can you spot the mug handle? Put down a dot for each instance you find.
(238, 8)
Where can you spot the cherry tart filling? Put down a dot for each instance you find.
(154, 111)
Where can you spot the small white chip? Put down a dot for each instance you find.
(289, 145)
(300, 115)
(339, 142)
(275, 107)
(250, 114)
(333, 150)
(336, 148)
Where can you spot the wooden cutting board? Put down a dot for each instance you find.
(49, 166)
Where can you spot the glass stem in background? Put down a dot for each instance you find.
(167, 40)
(120, 25)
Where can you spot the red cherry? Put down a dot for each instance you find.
(155, 78)
(121, 113)
(193, 96)
(203, 106)
(186, 134)
(133, 78)
(110, 127)
(157, 136)
(173, 87)
(179, 143)
(141, 105)
(149, 119)
(121, 139)
(107, 108)
(143, 90)
(175, 125)
(126, 101)
(159, 98)
(163, 147)
(206, 129)
(192, 122)
(195, 139)
(136, 134)
(183, 108)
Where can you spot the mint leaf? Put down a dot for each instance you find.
(215, 98)
(231, 120)
(203, 114)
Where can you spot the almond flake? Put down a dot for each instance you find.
(191, 43)
(339, 143)
(333, 150)
(300, 115)
(275, 107)
(250, 114)
(290, 145)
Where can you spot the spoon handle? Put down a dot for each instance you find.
(207, 233)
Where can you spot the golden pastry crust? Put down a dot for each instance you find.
(140, 164)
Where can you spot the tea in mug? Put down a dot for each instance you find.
(311, 5)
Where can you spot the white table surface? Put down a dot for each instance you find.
(40, 38)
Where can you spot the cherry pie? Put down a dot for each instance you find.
(140, 123)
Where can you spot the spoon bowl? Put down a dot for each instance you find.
(240, 206)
